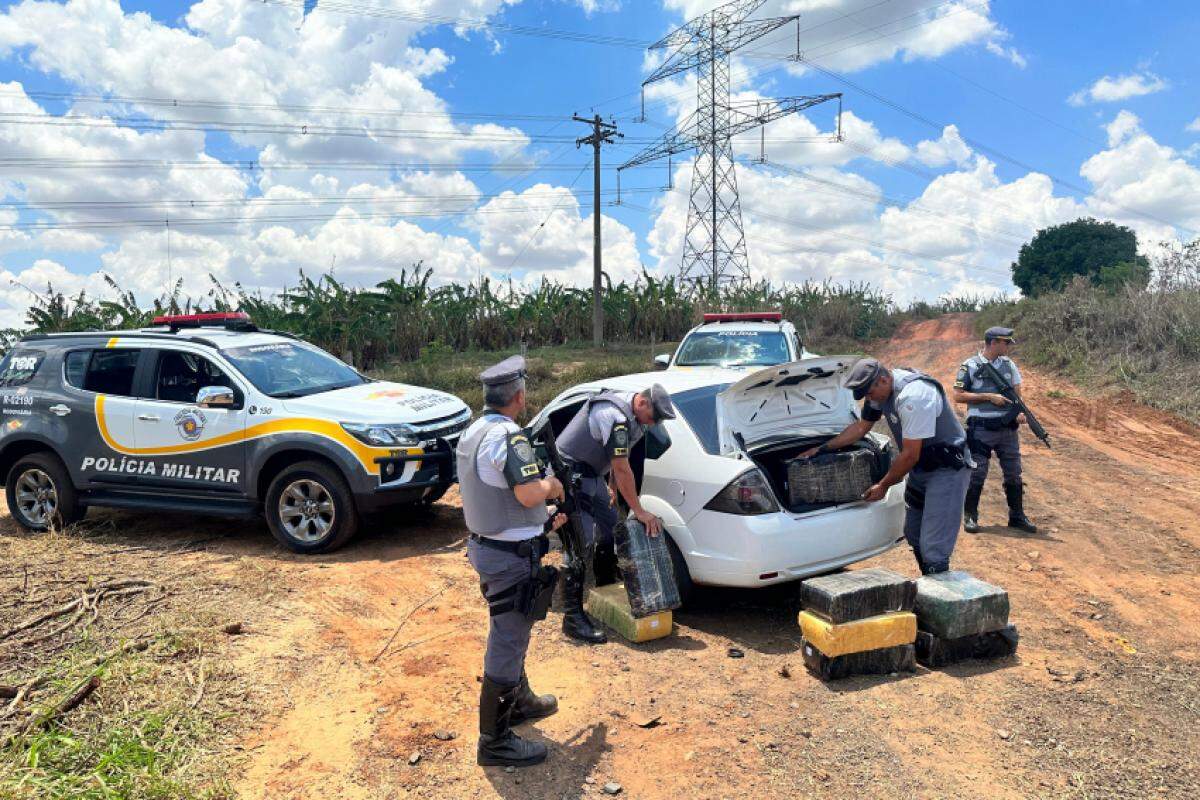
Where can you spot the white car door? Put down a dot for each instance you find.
(193, 447)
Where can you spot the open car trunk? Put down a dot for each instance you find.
(773, 458)
(777, 413)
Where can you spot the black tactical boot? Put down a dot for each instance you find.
(498, 745)
(971, 509)
(1015, 492)
(576, 624)
(530, 706)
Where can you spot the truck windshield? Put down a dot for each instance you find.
(733, 349)
(292, 369)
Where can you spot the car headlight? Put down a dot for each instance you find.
(382, 435)
(747, 495)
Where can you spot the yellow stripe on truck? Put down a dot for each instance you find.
(365, 454)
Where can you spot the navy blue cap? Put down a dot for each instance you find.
(998, 332)
(660, 402)
(509, 370)
(864, 373)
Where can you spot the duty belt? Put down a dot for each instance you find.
(582, 470)
(533, 547)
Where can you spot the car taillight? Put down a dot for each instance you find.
(747, 495)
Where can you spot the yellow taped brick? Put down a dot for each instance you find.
(610, 605)
(872, 633)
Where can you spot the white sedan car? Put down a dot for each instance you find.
(716, 474)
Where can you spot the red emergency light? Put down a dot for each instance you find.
(746, 316)
(215, 319)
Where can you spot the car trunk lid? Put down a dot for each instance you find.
(797, 400)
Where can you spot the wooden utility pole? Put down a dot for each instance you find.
(602, 134)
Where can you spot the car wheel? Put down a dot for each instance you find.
(683, 577)
(309, 508)
(40, 494)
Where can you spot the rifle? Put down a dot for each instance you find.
(1016, 404)
(571, 534)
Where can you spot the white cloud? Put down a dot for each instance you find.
(855, 34)
(1112, 89)
(1010, 53)
(1142, 183)
(949, 149)
(1194, 125)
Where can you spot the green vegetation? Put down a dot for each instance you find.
(402, 317)
(1103, 252)
(1145, 339)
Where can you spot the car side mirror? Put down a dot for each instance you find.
(663, 360)
(216, 397)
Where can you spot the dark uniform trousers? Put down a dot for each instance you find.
(1003, 442)
(508, 633)
(598, 515)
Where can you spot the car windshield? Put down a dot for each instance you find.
(699, 409)
(292, 369)
(733, 349)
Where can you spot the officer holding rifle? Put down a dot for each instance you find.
(992, 422)
(504, 496)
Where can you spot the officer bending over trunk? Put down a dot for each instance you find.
(596, 444)
(504, 501)
(933, 454)
(992, 428)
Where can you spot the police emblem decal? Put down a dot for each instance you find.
(522, 448)
(190, 424)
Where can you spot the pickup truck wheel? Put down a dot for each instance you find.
(40, 494)
(309, 508)
(683, 577)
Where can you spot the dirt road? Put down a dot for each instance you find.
(375, 652)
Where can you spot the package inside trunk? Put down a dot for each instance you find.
(774, 460)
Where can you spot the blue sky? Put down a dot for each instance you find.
(1057, 110)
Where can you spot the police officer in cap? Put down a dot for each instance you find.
(504, 497)
(933, 454)
(596, 444)
(992, 427)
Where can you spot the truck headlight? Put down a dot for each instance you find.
(747, 495)
(382, 435)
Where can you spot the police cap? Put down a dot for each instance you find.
(509, 370)
(864, 373)
(660, 402)
(998, 332)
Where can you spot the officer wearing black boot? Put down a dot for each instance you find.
(596, 444)
(504, 499)
(992, 428)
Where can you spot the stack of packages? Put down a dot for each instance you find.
(858, 623)
(640, 608)
(830, 477)
(961, 617)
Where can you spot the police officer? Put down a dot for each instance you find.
(504, 501)
(933, 454)
(596, 444)
(992, 427)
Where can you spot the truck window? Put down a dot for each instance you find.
(19, 367)
(182, 375)
(109, 371)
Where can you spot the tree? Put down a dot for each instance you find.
(1103, 252)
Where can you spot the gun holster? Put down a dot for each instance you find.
(531, 597)
(942, 456)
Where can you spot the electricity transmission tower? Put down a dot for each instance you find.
(714, 248)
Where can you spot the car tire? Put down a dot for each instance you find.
(41, 495)
(683, 576)
(309, 508)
